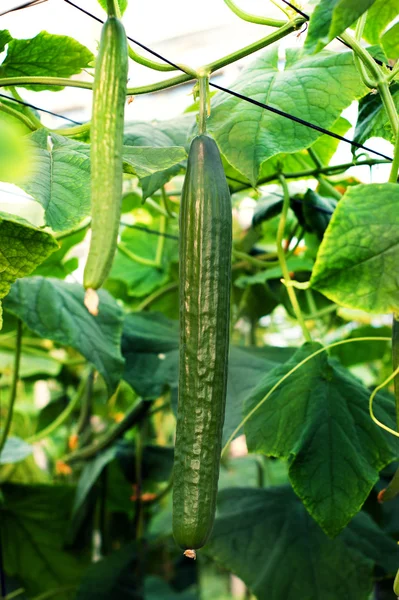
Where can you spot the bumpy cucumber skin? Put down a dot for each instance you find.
(205, 279)
(109, 96)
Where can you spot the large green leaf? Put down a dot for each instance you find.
(33, 363)
(325, 148)
(294, 263)
(142, 278)
(267, 538)
(60, 174)
(89, 475)
(150, 345)
(318, 420)
(356, 264)
(173, 132)
(45, 55)
(5, 37)
(59, 264)
(313, 88)
(22, 248)
(356, 353)
(118, 576)
(15, 149)
(378, 17)
(54, 309)
(113, 577)
(59, 179)
(34, 522)
(390, 41)
(14, 451)
(372, 120)
(156, 588)
(330, 18)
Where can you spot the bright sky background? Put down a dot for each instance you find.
(188, 32)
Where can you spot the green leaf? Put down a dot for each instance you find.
(15, 150)
(58, 264)
(113, 577)
(325, 148)
(357, 260)
(59, 178)
(143, 161)
(157, 589)
(142, 279)
(318, 420)
(267, 208)
(34, 522)
(390, 41)
(267, 539)
(32, 364)
(54, 309)
(314, 212)
(150, 345)
(122, 5)
(5, 38)
(330, 18)
(378, 17)
(294, 263)
(248, 135)
(22, 248)
(45, 55)
(157, 462)
(159, 134)
(118, 576)
(14, 451)
(89, 475)
(363, 352)
(372, 120)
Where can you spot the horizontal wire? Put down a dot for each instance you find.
(299, 120)
(153, 52)
(251, 100)
(22, 6)
(152, 231)
(49, 112)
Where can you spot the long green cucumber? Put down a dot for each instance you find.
(205, 274)
(109, 95)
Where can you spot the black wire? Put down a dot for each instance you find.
(172, 64)
(251, 100)
(49, 112)
(152, 231)
(305, 16)
(21, 6)
(298, 120)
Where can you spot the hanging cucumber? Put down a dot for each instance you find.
(205, 272)
(109, 94)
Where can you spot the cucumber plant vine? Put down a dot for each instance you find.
(239, 280)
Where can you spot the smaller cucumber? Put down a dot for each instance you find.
(109, 95)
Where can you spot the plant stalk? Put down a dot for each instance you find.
(283, 263)
(14, 384)
(250, 18)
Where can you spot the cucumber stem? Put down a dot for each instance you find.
(113, 8)
(203, 83)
